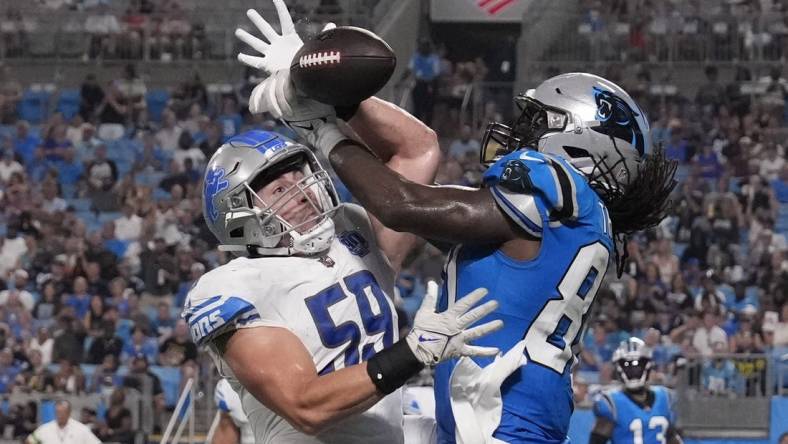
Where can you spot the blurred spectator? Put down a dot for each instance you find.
(104, 345)
(63, 429)
(230, 119)
(597, 352)
(8, 371)
(117, 427)
(709, 337)
(69, 377)
(169, 134)
(113, 113)
(132, 91)
(10, 92)
(464, 145)
(424, 65)
(91, 97)
(17, 288)
(68, 340)
(164, 323)
(711, 94)
(103, 28)
(139, 344)
(718, 376)
(43, 344)
(187, 151)
(25, 143)
(105, 375)
(102, 173)
(79, 299)
(140, 378)
(129, 226)
(178, 348)
(93, 319)
(49, 304)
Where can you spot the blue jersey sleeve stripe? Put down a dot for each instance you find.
(567, 204)
(521, 219)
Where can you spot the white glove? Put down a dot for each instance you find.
(436, 337)
(315, 122)
(280, 49)
(476, 395)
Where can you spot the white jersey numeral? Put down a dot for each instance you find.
(636, 427)
(550, 337)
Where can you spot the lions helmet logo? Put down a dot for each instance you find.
(215, 183)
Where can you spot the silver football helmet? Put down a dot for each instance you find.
(586, 119)
(633, 363)
(244, 223)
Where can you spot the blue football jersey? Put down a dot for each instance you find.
(633, 423)
(544, 300)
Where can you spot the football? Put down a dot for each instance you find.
(343, 66)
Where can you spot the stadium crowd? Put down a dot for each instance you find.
(102, 236)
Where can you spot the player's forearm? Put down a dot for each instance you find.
(440, 213)
(404, 143)
(327, 399)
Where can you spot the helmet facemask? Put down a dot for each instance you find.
(535, 120)
(634, 373)
(269, 228)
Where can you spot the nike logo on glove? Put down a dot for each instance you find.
(309, 127)
(423, 339)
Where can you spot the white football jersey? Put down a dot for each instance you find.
(228, 402)
(339, 305)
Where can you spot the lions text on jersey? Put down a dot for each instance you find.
(338, 305)
(633, 423)
(544, 300)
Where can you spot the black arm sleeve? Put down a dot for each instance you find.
(597, 438)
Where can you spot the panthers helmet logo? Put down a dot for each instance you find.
(617, 119)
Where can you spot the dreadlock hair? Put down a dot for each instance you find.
(643, 203)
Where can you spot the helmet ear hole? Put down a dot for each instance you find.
(575, 152)
(238, 232)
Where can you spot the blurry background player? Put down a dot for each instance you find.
(637, 413)
(233, 425)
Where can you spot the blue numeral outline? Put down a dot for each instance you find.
(348, 333)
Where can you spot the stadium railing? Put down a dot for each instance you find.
(728, 394)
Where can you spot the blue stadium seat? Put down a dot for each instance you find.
(46, 411)
(79, 204)
(157, 101)
(34, 106)
(68, 103)
(170, 382)
(108, 216)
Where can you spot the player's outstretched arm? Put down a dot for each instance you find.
(405, 145)
(275, 367)
(441, 213)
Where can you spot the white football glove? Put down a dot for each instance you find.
(280, 49)
(315, 122)
(436, 337)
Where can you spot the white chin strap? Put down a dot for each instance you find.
(316, 240)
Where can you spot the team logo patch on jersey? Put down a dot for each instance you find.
(355, 243)
(215, 183)
(327, 261)
(515, 177)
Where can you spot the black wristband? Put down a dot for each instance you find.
(390, 368)
(597, 438)
(346, 112)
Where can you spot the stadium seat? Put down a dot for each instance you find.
(170, 382)
(80, 204)
(34, 106)
(68, 103)
(157, 100)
